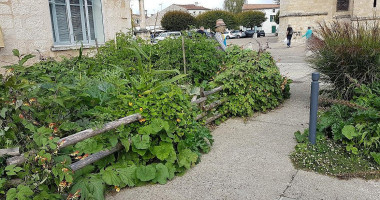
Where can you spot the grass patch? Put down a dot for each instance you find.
(329, 158)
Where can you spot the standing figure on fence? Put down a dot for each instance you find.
(220, 28)
(289, 35)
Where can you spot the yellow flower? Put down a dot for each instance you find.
(178, 120)
(130, 104)
(141, 109)
(142, 120)
(117, 189)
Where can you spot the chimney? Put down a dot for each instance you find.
(196, 3)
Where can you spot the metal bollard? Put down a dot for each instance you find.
(314, 108)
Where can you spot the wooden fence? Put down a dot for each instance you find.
(18, 158)
(201, 101)
(80, 136)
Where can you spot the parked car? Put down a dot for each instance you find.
(260, 33)
(163, 36)
(238, 34)
(229, 35)
(249, 33)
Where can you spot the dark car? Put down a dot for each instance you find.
(260, 33)
(250, 33)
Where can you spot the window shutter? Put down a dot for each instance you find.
(76, 20)
(63, 27)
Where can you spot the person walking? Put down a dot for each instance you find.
(289, 35)
(220, 28)
(308, 35)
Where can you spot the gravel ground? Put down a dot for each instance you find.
(249, 159)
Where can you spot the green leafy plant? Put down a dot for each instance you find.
(348, 138)
(252, 82)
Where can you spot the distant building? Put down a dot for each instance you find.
(300, 13)
(270, 10)
(193, 9)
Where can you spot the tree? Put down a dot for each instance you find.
(251, 18)
(234, 6)
(208, 19)
(277, 17)
(177, 20)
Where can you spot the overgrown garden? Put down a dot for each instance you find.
(348, 132)
(50, 100)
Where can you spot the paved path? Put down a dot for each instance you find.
(249, 159)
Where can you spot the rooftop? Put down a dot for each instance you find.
(193, 7)
(259, 6)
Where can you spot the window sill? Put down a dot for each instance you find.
(72, 47)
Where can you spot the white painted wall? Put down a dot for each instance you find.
(267, 25)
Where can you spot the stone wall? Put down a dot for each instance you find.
(26, 26)
(300, 13)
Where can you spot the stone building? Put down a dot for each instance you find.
(193, 9)
(55, 28)
(300, 13)
(270, 10)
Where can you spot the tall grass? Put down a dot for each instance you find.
(348, 54)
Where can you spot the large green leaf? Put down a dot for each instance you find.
(22, 193)
(141, 141)
(349, 131)
(111, 176)
(376, 157)
(162, 174)
(128, 175)
(186, 158)
(163, 151)
(91, 187)
(146, 173)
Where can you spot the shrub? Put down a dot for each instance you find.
(177, 20)
(251, 18)
(208, 19)
(252, 82)
(50, 100)
(347, 51)
(203, 59)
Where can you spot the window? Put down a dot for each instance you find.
(274, 10)
(76, 21)
(272, 18)
(342, 5)
(374, 3)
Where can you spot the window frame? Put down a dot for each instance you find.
(85, 21)
(338, 6)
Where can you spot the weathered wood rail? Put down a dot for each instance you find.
(204, 96)
(18, 159)
(80, 136)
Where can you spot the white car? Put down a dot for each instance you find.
(229, 35)
(238, 34)
(163, 36)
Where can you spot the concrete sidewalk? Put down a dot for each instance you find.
(249, 159)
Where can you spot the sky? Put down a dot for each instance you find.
(154, 5)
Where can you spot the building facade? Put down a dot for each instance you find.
(300, 14)
(270, 10)
(55, 28)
